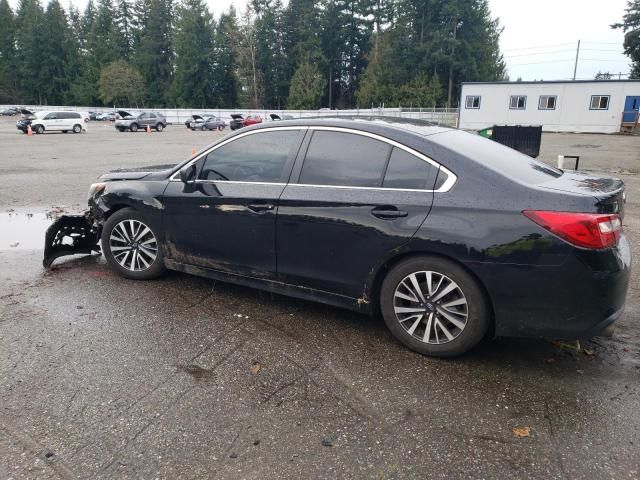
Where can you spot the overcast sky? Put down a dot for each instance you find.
(540, 36)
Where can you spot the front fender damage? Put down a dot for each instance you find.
(71, 235)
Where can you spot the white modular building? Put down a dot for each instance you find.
(580, 106)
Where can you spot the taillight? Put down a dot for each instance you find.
(587, 230)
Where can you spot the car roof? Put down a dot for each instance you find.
(373, 124)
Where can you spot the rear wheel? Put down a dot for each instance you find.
(434, 306)
(134, 127)
(220, 128)
(77, 128)
(130, 245)
(159, 127)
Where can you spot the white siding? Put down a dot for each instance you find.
(572, 112)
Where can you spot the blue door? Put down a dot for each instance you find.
(631, 108)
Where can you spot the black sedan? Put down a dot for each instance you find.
(450, 236)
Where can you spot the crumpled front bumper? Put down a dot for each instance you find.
(71, 235)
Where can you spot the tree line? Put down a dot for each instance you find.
(305, 54)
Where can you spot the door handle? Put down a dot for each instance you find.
(260, 207)
(388, 212)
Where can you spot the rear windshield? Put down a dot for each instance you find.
(497, 157)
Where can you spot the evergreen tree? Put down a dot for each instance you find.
(124, 27)
(225, 64)
(7, 53)
(154, 54)
(307, 86)
(193, 81)
(29, 42)
(631, 27)
(53, 71)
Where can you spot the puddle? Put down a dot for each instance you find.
(23, 231)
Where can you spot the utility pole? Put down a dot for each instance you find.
(575, 68)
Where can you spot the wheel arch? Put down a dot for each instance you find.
(375, 282)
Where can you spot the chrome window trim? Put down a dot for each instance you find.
(445, 187)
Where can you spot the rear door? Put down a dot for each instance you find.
(353, 199)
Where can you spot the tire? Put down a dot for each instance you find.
(117, 248)
(220, 128)
(77, 128)
(159, 127)
(203, 128)
(38, 129)
(466, 322)
(133, 127)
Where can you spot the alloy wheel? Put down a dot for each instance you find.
(431, 307)
(133, 245)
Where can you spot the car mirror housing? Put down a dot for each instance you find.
(188, 174)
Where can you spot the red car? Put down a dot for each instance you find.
(238, 121)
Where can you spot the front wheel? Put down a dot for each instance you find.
(39, 129)
(434, 306)
(134, 127)
(130, 245)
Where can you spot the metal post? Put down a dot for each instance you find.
(575, 68)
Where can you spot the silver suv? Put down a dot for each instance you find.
(133, 123)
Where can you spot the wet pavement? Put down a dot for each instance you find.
(183, 377)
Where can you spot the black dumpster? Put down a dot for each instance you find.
(524, 139)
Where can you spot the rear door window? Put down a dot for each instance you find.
(259, 157)
(406, 171)
(344, 159)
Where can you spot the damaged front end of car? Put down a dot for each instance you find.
(71, 235)
(76, 234)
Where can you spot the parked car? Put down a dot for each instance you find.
(140, 121)
(106, 117)
(450, 236)
(10, 112)
(210, 123)
(93, 115)
(238, 121)
(26, 117)
(193, 118)
(276, 118)
(48, 121)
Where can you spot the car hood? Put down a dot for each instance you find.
(236, 116)
(134, 173)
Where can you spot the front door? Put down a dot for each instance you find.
(357, 199)
(226, 219)
(631, 108)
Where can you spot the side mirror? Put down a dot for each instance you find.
(188, 174)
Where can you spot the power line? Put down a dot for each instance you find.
(563, 61)
(540, 47)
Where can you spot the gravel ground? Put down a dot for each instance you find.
(183, 377)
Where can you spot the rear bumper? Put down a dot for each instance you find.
(578, 299)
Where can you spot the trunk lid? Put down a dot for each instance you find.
(608, 191)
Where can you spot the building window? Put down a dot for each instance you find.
(518, 102)
(547, 102)
(599, 102)
(473, 101)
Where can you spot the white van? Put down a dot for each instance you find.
(59, 122)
